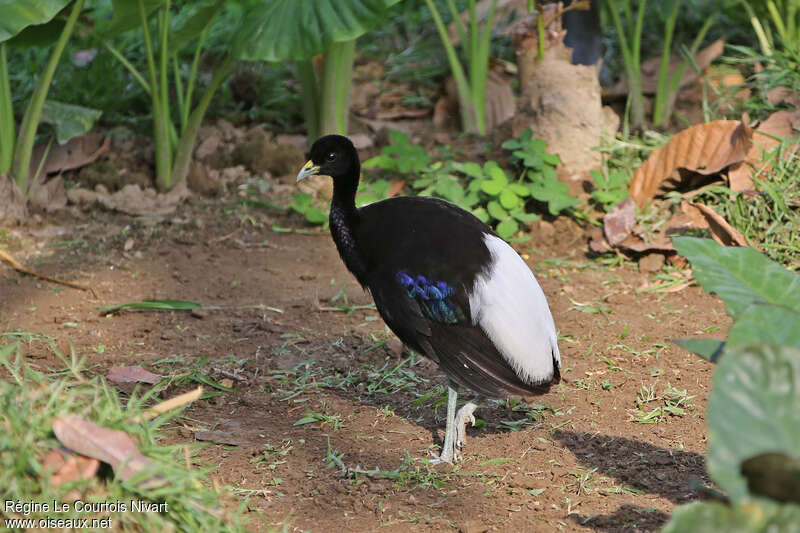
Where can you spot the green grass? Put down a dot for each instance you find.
(30, 399)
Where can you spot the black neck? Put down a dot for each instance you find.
(343, 223)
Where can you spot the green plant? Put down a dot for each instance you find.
(540, 169)
(283, 30)
(373, 191)
(301, 203)
(629, 36)
(31, 399)
(400, 157)
(25, 23)
(475, 43)
(173, 146)
(610, 187)
(785, 17)
(754, 407)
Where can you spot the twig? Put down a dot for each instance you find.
(168, 405)
(16, 265)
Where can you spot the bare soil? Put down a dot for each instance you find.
(278, 340)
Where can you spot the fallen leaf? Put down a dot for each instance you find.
(721, 231)
(637, 244)
(397, 188)
(500, 102)
(65, 466)
(75, 153)
(651, 262)
(598, 243)
(132, 374)
(696, 217)
(705, 149)
(219, 437)
(619, 221)
(781, 124)
(111, 446)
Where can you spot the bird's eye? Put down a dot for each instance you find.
(331, 156)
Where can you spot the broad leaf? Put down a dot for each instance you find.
(491, 187)
(127, 17)
(19, 14)
(765, 324)
(755, 517)
(507, 228)
(69, 120)
(740, 276)
(708, 349)
(194, 26)
(280, 30)
(754, 408)
(496, 210)
(508, 199)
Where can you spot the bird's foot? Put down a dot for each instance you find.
(451, 450)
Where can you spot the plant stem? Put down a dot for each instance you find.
(6, 115)
(479, 70)
(466, 104)
(20, 167)
(128, 65)
(182, 104)
(662, 89)
(160, 132)
(337, 75)
(183, 154)
(309, 93)
(193, 77)
(540, 30)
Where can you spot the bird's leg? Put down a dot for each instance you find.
(455, 428)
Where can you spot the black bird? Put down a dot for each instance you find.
(446, 285)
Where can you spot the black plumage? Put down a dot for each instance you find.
(420, 259)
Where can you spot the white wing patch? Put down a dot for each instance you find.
(511, 308)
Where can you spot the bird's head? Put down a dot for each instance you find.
(334, 156)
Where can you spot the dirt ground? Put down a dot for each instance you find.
(291, 338)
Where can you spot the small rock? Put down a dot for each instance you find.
(207, 147)
(81, 196)
(395, 346)
(227, 382)
(545, 229)
(128, 245)
(651, 263)
(362, 141)
(199, 313)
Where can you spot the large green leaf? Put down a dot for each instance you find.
(279, 30)
(194, 25)
(765, 324)
(19, 14)
(754, 517)
(127, 17)
(754, 408)
(69, 120)
(708, 349)
(740, 276)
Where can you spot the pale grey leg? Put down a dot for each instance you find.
(455, 428)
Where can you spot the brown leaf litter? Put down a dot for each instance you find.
(704, 149)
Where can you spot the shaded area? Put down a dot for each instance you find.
(638, 464)
(626, 518)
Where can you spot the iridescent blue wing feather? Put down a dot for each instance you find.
(434, 297)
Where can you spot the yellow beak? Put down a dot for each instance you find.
(309, 169)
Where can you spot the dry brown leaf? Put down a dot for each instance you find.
(397, 188)
(721, 231)
(114, 447)
(619, 221)
(705, 149)
(132, 374)
(696, 217)
(65, 466)
(782, 124)
(637, 244)
(500, 102)
(75, 153)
